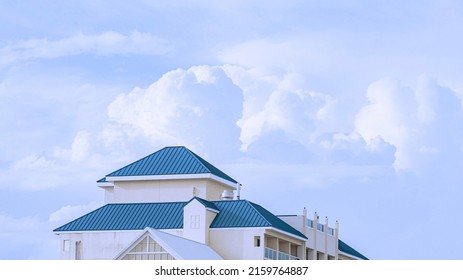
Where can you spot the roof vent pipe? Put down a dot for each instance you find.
(227, 195)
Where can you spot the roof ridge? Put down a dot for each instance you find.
(130, 203)
(275, 226)
(132, 163)
(260, 214)
(198, 158)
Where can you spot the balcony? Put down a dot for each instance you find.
(320, 227)
(271, 254)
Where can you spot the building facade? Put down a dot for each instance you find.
(174, 205)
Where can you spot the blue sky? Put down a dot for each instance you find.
(349, 108)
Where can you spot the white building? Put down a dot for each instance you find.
(173, 204)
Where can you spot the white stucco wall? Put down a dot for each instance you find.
(164, 190)
(237, 244)
(100, 245)
(97, 245)
(196, 222)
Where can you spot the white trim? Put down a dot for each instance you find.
(167, 230)
(287, 233)
(264, 228)
(172, 177)
(105, 184)
(349, 255)
(212, 210)
(95, 231)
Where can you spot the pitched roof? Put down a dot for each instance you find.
(206, 203)
(343, 247)
(243, 213)
(138, 216)
(170, 161)
(129, 216)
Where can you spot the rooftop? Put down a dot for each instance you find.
(176, 160)
(138, 216)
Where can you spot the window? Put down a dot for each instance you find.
(66, 245)
(194, 221)
(256, 241)
(78, 250)
(148, 249)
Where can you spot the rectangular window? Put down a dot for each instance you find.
(66, 245)
(194, 221)
(78, 250)
(256, 241)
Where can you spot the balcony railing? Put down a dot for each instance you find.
(272, 254)
(320, 227)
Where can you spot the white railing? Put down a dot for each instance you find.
(272, 254)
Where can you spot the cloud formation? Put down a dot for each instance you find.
(107, 43)
(421, 123)
(197, 107)
(69, 212)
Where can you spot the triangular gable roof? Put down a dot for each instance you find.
(138, 216)
(170, 161)
(209, 205)
(179, 247)
(343, 247)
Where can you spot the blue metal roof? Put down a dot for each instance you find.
(102, 180)
(130, 216)
(342, 246)
(206, 203)
(137, 216)
(170, 161)
(243, 213)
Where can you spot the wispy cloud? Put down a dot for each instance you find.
(107, 43)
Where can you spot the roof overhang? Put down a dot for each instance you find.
(105, 184)
(263, 228)
(350, 255)
(111, 179)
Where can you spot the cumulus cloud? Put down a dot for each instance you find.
(107, 43)
(197, 107)
(80, 147)
(281, 103)
(420, 123)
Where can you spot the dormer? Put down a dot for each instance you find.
(198, 215)
(168, 175)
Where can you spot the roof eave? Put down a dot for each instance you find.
(105, 184)
(352, 256)
(112, 179)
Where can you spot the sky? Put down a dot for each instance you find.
(352, 109)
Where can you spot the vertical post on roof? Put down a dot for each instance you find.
(194, 191)
(315, 233)
(336, 240)
(325, 229)
(304, 231)
(238, 186)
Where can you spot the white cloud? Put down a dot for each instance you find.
(25, 237)
(281, 103)
(80, 148)
(107, 43)
(197, 107)
(420, 123)
(47, 170)
(68, 213)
